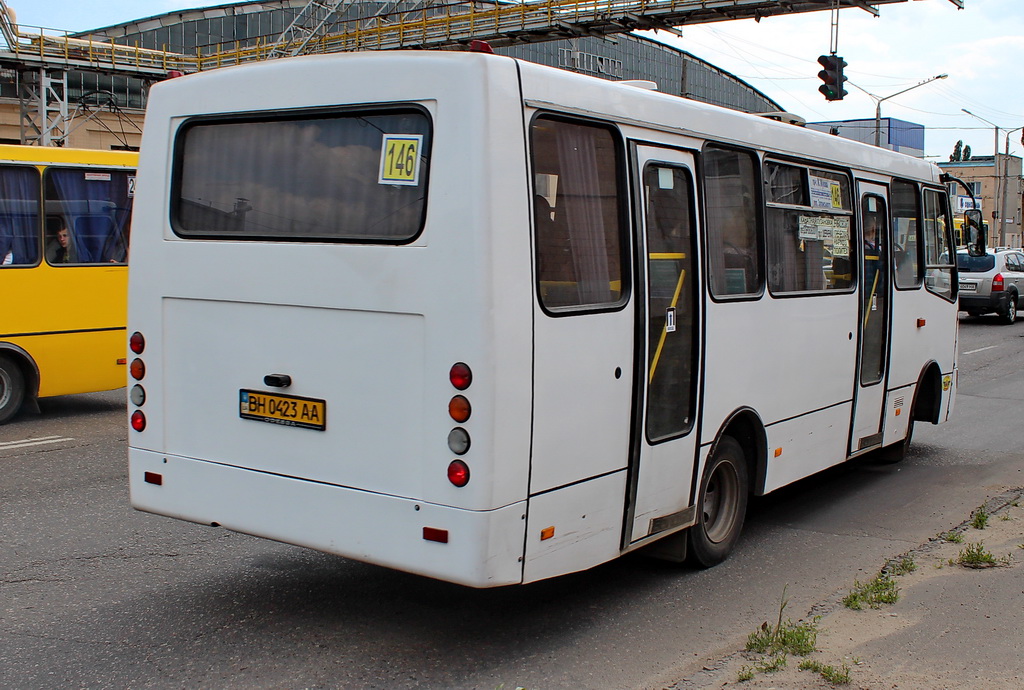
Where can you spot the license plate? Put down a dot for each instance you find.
(287, 410)
(968, 287)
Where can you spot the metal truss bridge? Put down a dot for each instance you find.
(42, 59)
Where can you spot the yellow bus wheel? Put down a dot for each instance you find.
(12, 388)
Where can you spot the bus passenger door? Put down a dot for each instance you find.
(668, 329)
(873, 325)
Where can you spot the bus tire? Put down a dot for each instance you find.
(721, 505)
(12, 388)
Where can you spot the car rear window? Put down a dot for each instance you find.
(975, 264)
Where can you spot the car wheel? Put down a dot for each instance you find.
(1010, 313)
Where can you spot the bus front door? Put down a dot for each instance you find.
(668, 320)
(873, 325)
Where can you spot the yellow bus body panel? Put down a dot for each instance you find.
(69, 319)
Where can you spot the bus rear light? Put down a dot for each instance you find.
(137, 369)
(460, 376)
(138, 420)
(435, 534)
(997, 283)
(137, 395)
(458, 440)
(458, 473)
(137, 343)
(459, 408)
(154, 478)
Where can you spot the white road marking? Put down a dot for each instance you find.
(28, 442)
(980, 349)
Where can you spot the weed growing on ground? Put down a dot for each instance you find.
(979, 519)
(784, 637)
(881, 590)
(835, 676)
(775, 642)
(977, 556)
(954, 537)
(903, 566)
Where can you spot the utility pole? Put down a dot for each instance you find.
(997, 202)
(878, 104)
(1006, 181)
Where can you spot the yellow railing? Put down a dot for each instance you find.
(430, 27)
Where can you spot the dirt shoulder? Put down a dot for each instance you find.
(952, 626)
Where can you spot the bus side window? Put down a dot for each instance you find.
(735, 245)
(905, 243)
(19, 215)
(581, 252)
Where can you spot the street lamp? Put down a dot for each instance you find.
(997, 202)
(878, 104)
(1006, 174)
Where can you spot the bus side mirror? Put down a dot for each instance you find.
(975, 234)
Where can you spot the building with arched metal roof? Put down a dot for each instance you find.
(110, 106)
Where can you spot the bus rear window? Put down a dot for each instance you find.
(356, 176)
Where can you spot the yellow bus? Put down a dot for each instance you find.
(64, 227)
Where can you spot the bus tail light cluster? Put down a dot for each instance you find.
(460, 410)
(137, 395)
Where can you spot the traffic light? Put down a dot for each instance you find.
(833, 77)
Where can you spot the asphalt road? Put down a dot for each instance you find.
(96, 595)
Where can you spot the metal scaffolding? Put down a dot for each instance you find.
(42, 60)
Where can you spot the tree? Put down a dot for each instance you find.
(957, 154)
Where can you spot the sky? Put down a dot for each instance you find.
(980, 48)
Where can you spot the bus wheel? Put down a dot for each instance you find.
(721, 506)
(12, 388)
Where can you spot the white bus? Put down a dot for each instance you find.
(492, 322)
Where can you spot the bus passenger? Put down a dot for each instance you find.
(61, 250)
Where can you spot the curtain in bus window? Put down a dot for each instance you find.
(95, 207)
(938, 255)
(579, 252)
(357, 177)
(808, 246)
(734, 243)
(19, 216)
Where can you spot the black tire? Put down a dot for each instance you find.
(721, 505)
(1009, 315)
(890, 455)
(12, 388)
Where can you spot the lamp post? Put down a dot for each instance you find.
(878, 104)
(1006, 175)
(997, 202)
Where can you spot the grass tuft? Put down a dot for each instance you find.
(977, 556)
(881, 590)
(833, 675)
(979, 518)
(903, 566)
